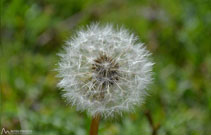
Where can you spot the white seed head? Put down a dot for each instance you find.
(104, 71)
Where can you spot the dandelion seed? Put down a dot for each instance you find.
(104, 71)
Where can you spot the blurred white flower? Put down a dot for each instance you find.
(104, 71)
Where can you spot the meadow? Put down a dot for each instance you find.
(176, 32)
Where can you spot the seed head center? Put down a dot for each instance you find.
(106, 70)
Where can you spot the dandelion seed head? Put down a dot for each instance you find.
(104, 71)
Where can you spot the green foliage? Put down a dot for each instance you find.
(177, 32)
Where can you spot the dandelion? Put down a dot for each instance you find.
(104, 71)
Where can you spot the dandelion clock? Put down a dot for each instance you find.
(104, 71)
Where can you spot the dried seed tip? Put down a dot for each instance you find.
(104, 71)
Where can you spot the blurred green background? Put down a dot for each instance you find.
(177, 32)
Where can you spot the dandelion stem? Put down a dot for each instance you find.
(95, 125)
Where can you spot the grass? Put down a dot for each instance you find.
(177, 32)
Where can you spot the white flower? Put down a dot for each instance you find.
(104, 71)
